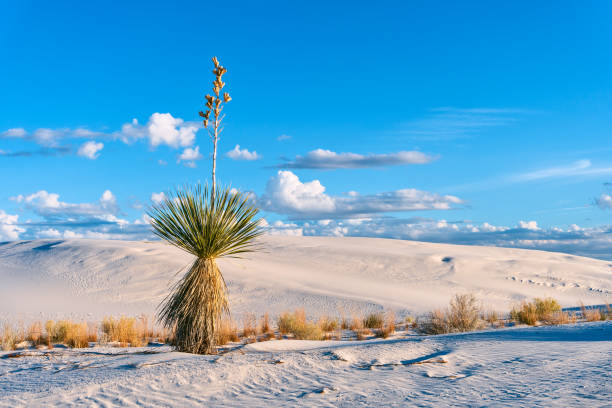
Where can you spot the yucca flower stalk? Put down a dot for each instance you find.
(214, 104)
(208, 225)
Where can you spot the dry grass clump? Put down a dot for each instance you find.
(592, 315)
(462, 315)
(388, 327)
(228, 332)
(125, 331)
(249, 325)
(8, 339)
(540, 310)
(67, 332)
(493, 318)
(264, 327)
(328, 324)
(374, 321)
(296, 324)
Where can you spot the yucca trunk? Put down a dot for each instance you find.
(195, 307)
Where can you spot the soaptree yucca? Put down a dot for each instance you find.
(209, 226)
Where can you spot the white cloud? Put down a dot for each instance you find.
(189, 156)
(604, 201)
(157, 198)
(49, 233)
(242, 154)
(327, 159)
(163, 128)
(286, 194)
(49, 206)
(578, 168)
(90, 150)
(530, 225)
(283, 137)
(14, 132)
(9, 228)
(448, 123)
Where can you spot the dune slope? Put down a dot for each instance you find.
(76, 278)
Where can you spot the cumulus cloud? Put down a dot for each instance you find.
(594, 242)
(327, 159)
(9, 228)
(49, 206)
(157, 198)
(90, 150)
(286, 194)
(530, 225)
(604, 201)
(189, 156)
(242, 154)
(161, 129)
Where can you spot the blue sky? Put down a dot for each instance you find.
(435, 121)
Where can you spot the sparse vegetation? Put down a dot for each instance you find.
(297, 325)
(463, 314)
(537, 311)
(374, 321)
(124, 331)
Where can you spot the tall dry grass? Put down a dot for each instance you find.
(539, 310)
(463, 314)
(297, 325)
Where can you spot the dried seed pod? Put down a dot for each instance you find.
(215, 61)
(226, 97)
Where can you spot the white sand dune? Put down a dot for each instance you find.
(93, 278)
(563, 366)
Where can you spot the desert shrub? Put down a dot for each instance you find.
(436, 323)
(328, 324)
(249, 323)
(67, 332)
(8, 338)
(296, 324)
(265, 327)
(374, 321)
(227, 332)
(124, 330)
(540, 310)
(493, 318)
(463, 314)
(388, 327)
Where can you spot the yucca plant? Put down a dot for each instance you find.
(208, 225)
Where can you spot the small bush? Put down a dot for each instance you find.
(540, 310)
(9, 338)
(436, 323)
(296, 324)
(67, 332)
(124, 330)
(228, 332)
(328, 324)
(462, 315)
(374, 321)
(265, 327)
(249, 323)
(388, 325)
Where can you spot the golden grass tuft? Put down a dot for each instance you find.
(228, 332)
(296, 324)
(462, 315)
(124, 330)
(388, 327)
(539, 310)
(264, 327)
(249, 325)
(374, 321)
